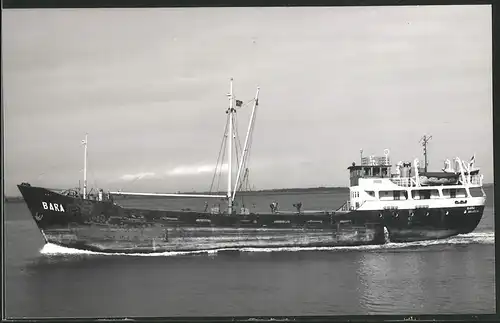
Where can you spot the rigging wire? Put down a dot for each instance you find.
(247, 156)
(244, 104)
(243, 163)
(245, 180)
(237, 141)
(94, 178)
(223, 143)
(220, 171)
(238, 152)
(223, 150)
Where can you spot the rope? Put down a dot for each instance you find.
(246, 158)
(220, 172)
(223, 150)
(92, 173)
(218, 157)
(238, 143)
(238, 150)
(244, 104)
(245, 180)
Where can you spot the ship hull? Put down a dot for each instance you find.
(154, 240)
(103, 226)
(430, 223)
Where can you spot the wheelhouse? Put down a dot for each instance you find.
(370, 167)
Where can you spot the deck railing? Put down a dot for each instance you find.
(375, 161)
(476, 179)
(345, 207)
(411, 182)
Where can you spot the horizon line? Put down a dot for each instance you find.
(257, 191)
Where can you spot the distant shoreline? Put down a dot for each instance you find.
(281, 190)
(268, 191)
(13, 199)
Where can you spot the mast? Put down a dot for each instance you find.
(85, 167)
(229, 148)
(245, 147)
(425, 139)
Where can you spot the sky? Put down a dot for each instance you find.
(150, 86)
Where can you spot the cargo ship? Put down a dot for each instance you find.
(407, 205)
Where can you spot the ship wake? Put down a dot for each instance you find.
(484, 238)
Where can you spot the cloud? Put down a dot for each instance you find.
(130, 177)
(195, 170)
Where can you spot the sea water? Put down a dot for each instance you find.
(449, 276)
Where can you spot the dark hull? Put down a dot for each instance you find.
(103, 226)
(427, 223)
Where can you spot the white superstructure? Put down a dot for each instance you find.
(374, 187)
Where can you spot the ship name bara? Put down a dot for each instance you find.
(53, 207)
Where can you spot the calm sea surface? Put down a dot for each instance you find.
(452, 276)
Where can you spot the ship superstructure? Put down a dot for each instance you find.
(439, 203)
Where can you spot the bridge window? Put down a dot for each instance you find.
(376, 171)
(461, 192)
(425, 194)
(393, 195)
(476, 191)
(455, 193)
(400, 195)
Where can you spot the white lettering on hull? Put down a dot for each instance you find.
(53, 207)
